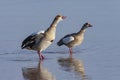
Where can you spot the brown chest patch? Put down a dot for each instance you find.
(51, 40)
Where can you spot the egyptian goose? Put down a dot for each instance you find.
(74, 39)
(41, 40)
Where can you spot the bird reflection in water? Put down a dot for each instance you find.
(72, 64)
(37, 73)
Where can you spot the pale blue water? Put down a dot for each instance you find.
(99, 53)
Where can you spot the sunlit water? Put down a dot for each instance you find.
(96, 59)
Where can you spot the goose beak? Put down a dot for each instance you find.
(90, 25)
(63, 17)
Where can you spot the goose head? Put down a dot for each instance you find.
(60, 17)
(86, 25)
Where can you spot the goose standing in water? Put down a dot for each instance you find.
(41, 40)
(74, 39)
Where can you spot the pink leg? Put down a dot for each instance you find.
(71, 52)
(41, 57)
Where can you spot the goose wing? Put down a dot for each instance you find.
(32, 39)
(66, 39)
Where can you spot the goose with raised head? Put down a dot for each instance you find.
(74, 39)
(41, 40)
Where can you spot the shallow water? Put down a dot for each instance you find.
(96, 59)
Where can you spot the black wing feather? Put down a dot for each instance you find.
(28, 42)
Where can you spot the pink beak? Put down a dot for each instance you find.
(64, 17)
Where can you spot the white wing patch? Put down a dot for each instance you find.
(68, 39)
(39, 36)
(37, 32)
(40, 32)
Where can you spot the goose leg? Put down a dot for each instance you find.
(71, 52)
(41, 57)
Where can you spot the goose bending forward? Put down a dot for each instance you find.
(41, 40)
(73, 39)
